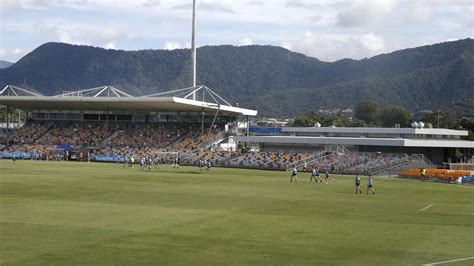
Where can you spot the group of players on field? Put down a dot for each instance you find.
(150, 162)
(315, 176)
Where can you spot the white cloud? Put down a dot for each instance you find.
(287, 45)
(172, 46)
(64, 37)
(246, 41)
(301, 4)
(205, 6)
(341, 28)
(106, 37)
(215, 6)
(51, 4)
(335, 47)
(421, 12)
(151, 3)
(372, 42)
(11, 55)
(10, 6)
(110, 45)
(256, 2)
(359, 13)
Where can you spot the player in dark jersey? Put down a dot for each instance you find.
(326, 176)
(176, 162)
(357, 184)
(149, 161)
(157, 162)
(201, 165)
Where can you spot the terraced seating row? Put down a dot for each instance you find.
(438, 174)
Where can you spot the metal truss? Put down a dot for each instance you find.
(103, 91)
(11, 90)
(198, 93)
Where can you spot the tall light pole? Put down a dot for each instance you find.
(193, 47)
(438, 118)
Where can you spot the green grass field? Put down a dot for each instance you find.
(55, 213)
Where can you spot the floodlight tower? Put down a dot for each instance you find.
(193, 47)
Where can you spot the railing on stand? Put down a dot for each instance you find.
(307, 160)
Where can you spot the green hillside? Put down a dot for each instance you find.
(272, 79)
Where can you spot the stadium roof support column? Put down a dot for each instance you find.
(248, 126)
(193, 47)
(107, 127)
(8, 120)
(202, 123)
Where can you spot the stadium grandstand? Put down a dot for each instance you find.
(107, 124)
(365, 150)
(197, 125)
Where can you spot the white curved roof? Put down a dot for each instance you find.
(119, 104)
(114, 99)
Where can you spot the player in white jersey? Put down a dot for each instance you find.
(294, 173)
(370, 185)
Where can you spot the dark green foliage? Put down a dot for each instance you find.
(309, 120)
(367, 111)
(273, 80)
(395, 115)
(469, 125)
(442, 119)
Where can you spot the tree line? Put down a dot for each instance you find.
(369, 113)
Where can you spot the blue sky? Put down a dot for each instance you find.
(328, 30)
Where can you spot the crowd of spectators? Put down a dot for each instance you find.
(148, 135)
(74, 134)
(30, 133)
(91, 134)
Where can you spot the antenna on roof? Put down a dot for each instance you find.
(193, 47)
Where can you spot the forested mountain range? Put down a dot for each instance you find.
(5, 64)
(275, 81)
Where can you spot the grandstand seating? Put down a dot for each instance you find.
(127, 139)
(148, 136)
(366, 164)
(356, 163)
(30, 133)
(265, 160)
(216, 158)
(74, 134)
(88, 134)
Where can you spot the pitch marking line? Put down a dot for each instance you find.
(426, 207)
(448, 261)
